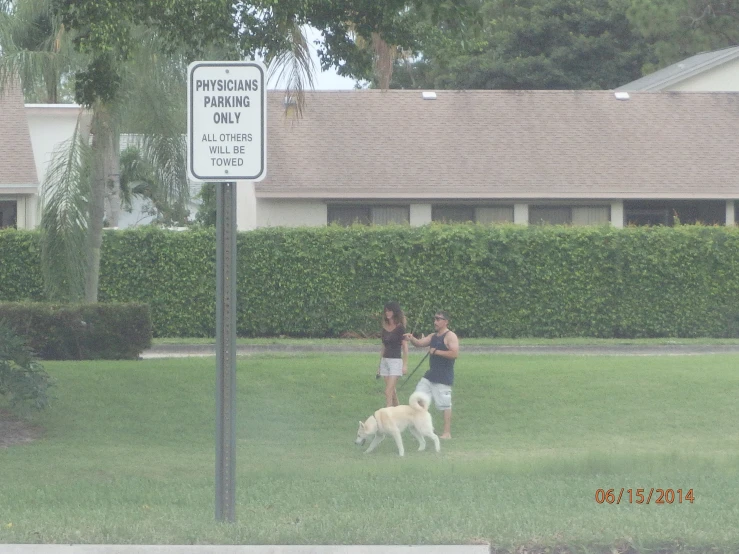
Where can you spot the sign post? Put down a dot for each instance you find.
(226, 135)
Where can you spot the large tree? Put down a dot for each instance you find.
(531, 44)
(115, 44)
(682, 28)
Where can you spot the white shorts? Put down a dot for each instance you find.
(391, 367)
(441, 394)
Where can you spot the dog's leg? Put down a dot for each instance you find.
(375, 441)
(398, 441)
(419, 438)
(435, 438)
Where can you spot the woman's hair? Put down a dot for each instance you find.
(398, 315)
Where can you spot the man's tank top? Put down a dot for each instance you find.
(441, 370)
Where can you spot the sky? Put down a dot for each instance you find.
(323, 80)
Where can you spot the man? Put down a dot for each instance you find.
(443, 348)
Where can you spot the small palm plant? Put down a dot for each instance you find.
(23, 381)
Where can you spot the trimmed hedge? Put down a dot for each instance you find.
(20, 266)
(506, 281)
(81, 332)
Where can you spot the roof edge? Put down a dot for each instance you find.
(22, 190)
(685, 74)
(332, 195)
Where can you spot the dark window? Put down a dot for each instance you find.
(8, 214)
(453, 214)
(348, 215)
(669, 212)
(550, 215)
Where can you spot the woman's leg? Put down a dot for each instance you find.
(391, 397)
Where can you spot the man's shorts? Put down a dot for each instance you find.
(441, 394)
(391, 367)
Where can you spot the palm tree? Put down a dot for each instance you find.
(36, 49)
(82, 188)
(143, 97)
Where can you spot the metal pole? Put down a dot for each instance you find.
(225, 350)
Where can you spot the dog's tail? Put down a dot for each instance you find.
(420, 401)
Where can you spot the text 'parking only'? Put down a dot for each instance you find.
(226, 125)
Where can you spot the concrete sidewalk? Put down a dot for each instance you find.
(185, 350)
(237, 549)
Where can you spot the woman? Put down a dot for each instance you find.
(394, 353)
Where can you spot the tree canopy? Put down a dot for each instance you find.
(681, 28)
(531, 44)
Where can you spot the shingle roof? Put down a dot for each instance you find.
(504, 144)
(682, 70)
(17, 166)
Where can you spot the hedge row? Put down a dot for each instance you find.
(506, 281)
(103, 331)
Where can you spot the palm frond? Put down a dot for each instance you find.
(36, 48)
(154, 122)
(293, 67)
(64, 220)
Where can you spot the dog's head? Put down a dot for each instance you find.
(366, 430)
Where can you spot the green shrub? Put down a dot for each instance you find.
(23, 382)
(497, 281)
(20, 266)
(81, 332)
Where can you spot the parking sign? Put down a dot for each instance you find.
(226, 121)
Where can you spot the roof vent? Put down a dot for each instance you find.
(622, 96)
(428, 95)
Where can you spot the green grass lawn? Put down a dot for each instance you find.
(128, 455)
(533, 341)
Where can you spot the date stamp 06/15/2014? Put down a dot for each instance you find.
(644, 496)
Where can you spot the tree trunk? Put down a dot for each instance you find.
(384, 60)
(112, 164)
(102, 132)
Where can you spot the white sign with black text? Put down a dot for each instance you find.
(226, 121)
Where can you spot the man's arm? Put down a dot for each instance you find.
(452, 343)
(423, 341)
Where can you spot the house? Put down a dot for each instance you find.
(528, 157)
(19, 181)
(708, 71)
(51, 126)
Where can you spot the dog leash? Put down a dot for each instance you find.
(416, 369)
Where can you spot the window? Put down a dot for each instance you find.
(591, 215)
(494, 214)
(647, 216)
(8, 214)
(569, 215)
(460, 213)
(452, 214)
(550, 215)
(667, 212)
(383, 215)
(348, 214)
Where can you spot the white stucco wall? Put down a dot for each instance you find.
(285, 213)
(617, 213)
(50, 125)
(720, 79)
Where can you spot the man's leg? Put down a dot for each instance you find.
(443, 401)
(447, 434)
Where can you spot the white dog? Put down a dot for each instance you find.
(394, 420)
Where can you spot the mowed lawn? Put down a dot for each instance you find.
(128, 455)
